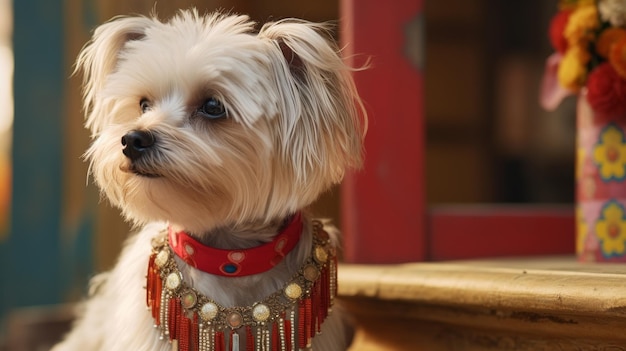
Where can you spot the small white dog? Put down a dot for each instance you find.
(214, 138)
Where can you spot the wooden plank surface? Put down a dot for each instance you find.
(487, 305)
(494, 284)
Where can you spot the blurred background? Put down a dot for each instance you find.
(483, 60)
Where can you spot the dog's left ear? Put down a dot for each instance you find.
(322, 121)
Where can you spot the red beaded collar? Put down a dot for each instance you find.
(236, 263)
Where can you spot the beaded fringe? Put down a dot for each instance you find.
(293, 331)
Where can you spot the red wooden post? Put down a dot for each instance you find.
(383, 206)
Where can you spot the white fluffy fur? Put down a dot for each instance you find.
(294, 124)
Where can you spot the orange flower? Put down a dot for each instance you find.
(617, 57)
(572, 70)
(607, 38)
(581, 25)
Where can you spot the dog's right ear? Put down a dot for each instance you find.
(99, 56)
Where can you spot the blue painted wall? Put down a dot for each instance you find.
(37, 262)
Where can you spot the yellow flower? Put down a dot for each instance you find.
(572, 4)
(580, 28)
(581, 230)
(610, 154)
(611, 229)
(572, 72)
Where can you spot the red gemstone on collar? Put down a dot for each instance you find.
(240, 262)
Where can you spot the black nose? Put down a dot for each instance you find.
(136, 142)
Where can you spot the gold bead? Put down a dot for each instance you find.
(172, 282)
(260, 312)
(293, 291)
(311, 273)
(208, 311)
(162, 257)
(320, 254)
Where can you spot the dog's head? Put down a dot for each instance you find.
(201, 121)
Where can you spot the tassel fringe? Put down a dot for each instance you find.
(289, 329)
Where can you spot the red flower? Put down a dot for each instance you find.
(557, 27)
(607, 92)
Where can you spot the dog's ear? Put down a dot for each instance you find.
(322, 121)
(99, 56)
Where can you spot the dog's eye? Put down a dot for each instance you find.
(212, 108)
(145, 105)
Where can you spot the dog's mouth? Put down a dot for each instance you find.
(147, 175)
(139, 172)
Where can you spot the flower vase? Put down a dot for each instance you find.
(600, 185)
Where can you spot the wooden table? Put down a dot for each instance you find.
(529, 304)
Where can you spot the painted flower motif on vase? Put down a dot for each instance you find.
(610, 154)
(611, 229)
(582, 229)
(581, 154)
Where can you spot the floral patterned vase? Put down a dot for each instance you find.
(600, 185)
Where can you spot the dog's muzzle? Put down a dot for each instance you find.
(136, 143)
